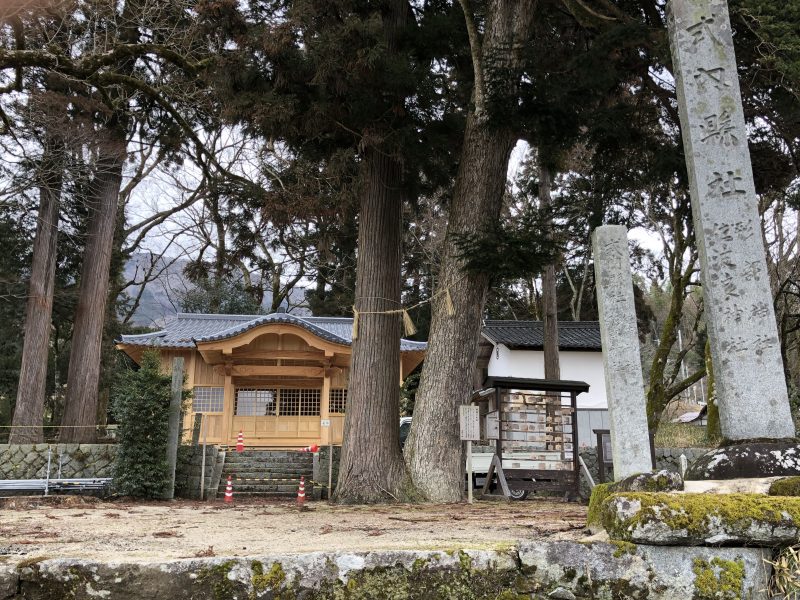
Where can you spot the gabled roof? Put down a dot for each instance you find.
(187, 329)
(529, 335)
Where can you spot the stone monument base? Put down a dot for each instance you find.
(748, 459)
(701, 519)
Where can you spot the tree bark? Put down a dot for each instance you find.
(434, 449)
(371, 468)
(552, 369)
(29, 410)
(83, 376)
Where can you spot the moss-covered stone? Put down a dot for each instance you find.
(788, 486)
(623, 548)
(273, 581)
(599, 494)
(659, 481)
(423, 582)
(701, 518)
(748, 459)
(718, 579)
(216, 579)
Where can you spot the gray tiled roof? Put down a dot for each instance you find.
(186, 329)
(572, 335)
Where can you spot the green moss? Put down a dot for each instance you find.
(425, 581)
(658, 483)
(691, 512)
(788, 486)
(274, 582)
(599, 494)
(718, 579)
(216, 578)
(623, 548)
(418, 565)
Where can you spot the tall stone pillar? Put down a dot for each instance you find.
(630, 439)
(749, 379)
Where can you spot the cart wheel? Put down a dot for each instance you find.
(518, 494)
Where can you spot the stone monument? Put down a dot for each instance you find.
(630, 439)
(750, 386)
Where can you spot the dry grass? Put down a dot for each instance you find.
(682, 435)
(785, 581)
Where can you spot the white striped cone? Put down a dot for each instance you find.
(311, 448)
(229, 490)
(240, 442)
(301, 492)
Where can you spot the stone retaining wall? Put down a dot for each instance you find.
(29, 461)
(321, 469)
(189, 467)
(534, 569)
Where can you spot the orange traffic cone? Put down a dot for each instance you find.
(301, 492)
(229, 490)
(240, 442)
(311, 448)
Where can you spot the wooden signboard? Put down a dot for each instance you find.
(470, 421)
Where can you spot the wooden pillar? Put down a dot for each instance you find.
(188, 420)
(324, 408)
(229, 404)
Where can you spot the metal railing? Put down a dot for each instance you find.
(57, 484)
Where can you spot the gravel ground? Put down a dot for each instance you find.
(76, 527)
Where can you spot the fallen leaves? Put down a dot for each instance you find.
(205, 553)
(166, 534)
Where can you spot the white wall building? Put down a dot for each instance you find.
(515, 349)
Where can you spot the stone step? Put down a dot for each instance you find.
(262, 462)
(271, 453)
(271, 472)
(261, 489)
(245, 473)
(257, 472)
(267, 461)
(283, 495)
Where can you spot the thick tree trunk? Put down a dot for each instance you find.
(371, 468)
(552, 369)
(29, 409)
(434, 449)
(83, 376)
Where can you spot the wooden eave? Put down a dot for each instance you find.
(221, 351)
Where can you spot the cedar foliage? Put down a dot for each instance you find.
(140, 404)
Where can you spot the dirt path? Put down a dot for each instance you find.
(85, 528)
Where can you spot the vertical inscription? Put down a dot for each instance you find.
(751, 389)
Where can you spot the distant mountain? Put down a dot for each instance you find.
(159, 300)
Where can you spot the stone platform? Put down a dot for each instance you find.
(701, 519)
(530, 570)
(753, 459)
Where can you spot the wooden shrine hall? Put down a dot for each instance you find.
(275, 377)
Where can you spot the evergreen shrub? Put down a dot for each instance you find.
(140, 404)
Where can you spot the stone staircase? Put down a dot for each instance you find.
(265, 473)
